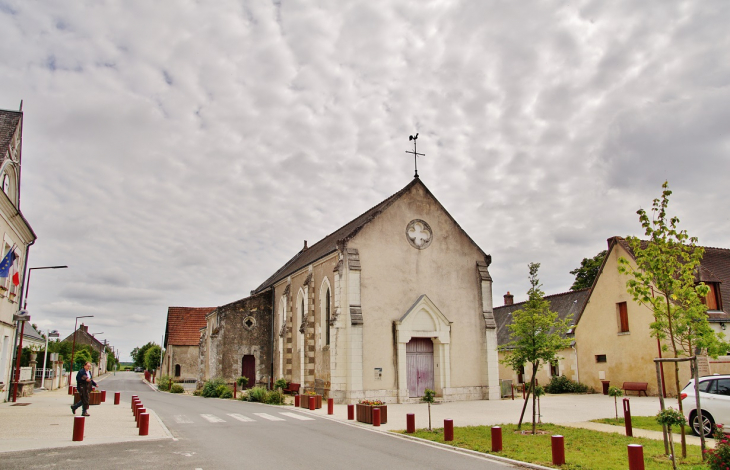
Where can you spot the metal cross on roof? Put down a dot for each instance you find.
(415, 153)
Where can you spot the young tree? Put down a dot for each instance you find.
(664, 279)
(537, 335)
(587, 272)
(138, 354)
(152, 357)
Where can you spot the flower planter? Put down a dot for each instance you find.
(364, 413)
(304, 401)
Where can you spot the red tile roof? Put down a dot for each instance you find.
(184, 324)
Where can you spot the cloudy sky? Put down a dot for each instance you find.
(178, 153)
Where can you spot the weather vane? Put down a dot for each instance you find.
(415, 153)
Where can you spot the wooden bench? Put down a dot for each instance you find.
(635, 387)
(292, 388)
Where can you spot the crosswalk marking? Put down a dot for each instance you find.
(182, 419)
(239, 417)
(269, 417)
(213, 418)
(297, 416)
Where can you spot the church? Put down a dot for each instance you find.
(394, 302)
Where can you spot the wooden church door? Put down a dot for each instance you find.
(419, 360)
(248, 369)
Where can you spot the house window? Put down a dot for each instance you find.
(600, 358)
(623, 317)
(521, 375)
(554, 369)
(177, 370)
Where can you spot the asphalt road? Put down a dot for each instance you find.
(213, 433)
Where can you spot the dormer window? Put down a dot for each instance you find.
(713, 300)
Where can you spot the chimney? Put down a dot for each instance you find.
(509, 299)
(84, 328)
(305, 245)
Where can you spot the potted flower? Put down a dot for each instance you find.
(364, 411)
(304, 401)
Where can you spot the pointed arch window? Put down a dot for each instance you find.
(327, 316)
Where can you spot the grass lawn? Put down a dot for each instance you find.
(638, 422)
(584, 449)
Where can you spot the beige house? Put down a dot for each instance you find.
(17, 235)
(567, 304)
(182, 335)
(396, 301)
(613, 336)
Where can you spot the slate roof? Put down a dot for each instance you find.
(8, 124)
(328, 244)
(184, 324)
(31, 333)
(565, 304)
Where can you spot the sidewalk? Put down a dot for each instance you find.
(47, 422)
(565, 410)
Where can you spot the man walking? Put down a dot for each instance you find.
(84, 382)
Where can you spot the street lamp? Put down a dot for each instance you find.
(49, 334)
(73, 347)
(27, 282)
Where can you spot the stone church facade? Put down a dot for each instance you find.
(396, 301)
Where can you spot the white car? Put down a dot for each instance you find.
(714, 401)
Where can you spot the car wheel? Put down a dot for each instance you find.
(708, 424)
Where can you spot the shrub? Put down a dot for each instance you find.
(242, 382)
(224, 391)
(163, 383)
(197, 393)
(210, 388)
(275, 397)
(257, 394)
(281, 383)
(562, 384)
(177, 388)
(719, 457)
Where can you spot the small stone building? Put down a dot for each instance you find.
(182, 338)
(236, 341)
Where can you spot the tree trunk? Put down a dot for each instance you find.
(534, 399)
(524, 407)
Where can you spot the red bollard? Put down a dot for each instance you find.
(139, 415)
(330, 406)
(70, 390)
(103, 396)
(496, 439)
(117, 397)
(134, 397)
(376, 416)
(350, 412)
(312, 403)
(558, 444)
(410, 423)
(627, 418)
(137, 407)
(636, 457)
(79, 428)
(448, 430)
(296, 401)
(234, 390)
(144, 424)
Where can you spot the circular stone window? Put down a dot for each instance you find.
(249, 322)
(419, 234)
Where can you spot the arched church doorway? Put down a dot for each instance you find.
(248, 369)
(419, 359)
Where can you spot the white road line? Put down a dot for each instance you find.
(269, 417)
(182, 419)
(213, 418)
(297, 416)
(245, 419)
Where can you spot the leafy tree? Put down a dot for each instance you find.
(615, 392)
(428, 397)
(81, 357)
(538, 336)
(138, 354)
(663, 279)
(152, 357)
(587, 272)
